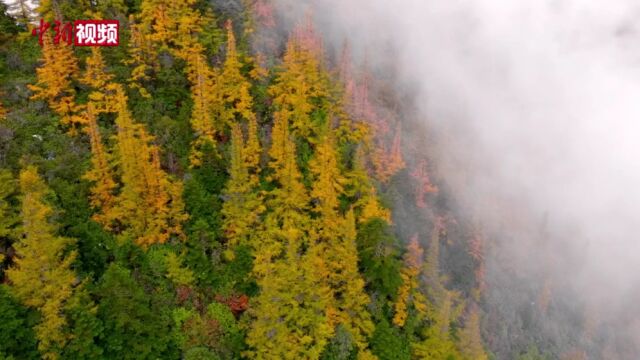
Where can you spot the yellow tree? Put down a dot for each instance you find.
(299, 88)
(160, 24)
(165, 24)
(288, 316)
(99, 80)
(201, 77)
(442, 308)
(140, 56)
(176, 271)
(387, 162)
(59, 67)
(360, 187)
(169, 23)
(470, 343)
(101, 173)
(234, 102)
(41, 276)
(149, 208)
(334, 238)
(242, 205)
(409, 293)
(252, 150)
(175, 26)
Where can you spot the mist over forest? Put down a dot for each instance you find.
(321, 179)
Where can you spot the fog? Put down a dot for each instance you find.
(540, 104)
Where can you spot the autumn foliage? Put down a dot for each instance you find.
(207, 193)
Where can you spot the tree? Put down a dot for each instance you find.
(301, 89)
(17, 340)
(335, 238)
(101, 173)
(442, 308)
(176, 272)
(470, 343)
(388, 344)
(409, 294)
(8, 217)
(288, 315)
(379, 259)
(132, 328)
(99, 80)
(140, 57)
(360, 188)
(170, 23)
(41, 276)
(84, 326)
(59, 67)
(423, 183)
(242, 207)
(477, 250)
(149, 207)
(100, 101)
(201, 77)
(234, 101)
(387, 161)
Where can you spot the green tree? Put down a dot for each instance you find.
(389, 344)
(8, 216)
(379, 259)
(17, 339)
(132, 328)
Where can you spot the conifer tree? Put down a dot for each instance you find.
(201, 77)
(423, 183)
(409, 293)
(102, 196)
(163, 25)
(41, 276)
(168, 23)
(253, 150)
(140, 57)
(8, 218)
(289, 320)
(176, 272)
(99, 80)
(149, 205)
(387, 161)
(101, 175)
(359, 186)
(242, 206)
(234, 101)
(299, 89)
(335, 240)
(442, 308)
(54, 77)
(470, 343)
(477, 252)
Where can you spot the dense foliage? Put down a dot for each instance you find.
(199, 192)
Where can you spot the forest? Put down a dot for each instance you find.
(223, 186)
